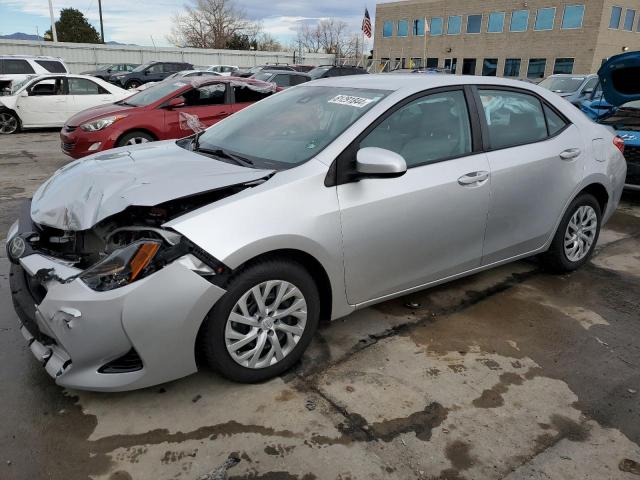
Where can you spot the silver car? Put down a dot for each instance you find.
(573, 88)
(323, 199)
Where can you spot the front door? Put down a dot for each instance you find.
(536, 158)
(203, 107)
(428, 224)
(46, 103)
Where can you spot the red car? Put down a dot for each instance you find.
(174, 108)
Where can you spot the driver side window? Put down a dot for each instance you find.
(157, 68)
(48, 86)
(430, 129)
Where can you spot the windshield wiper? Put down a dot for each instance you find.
(219, 152)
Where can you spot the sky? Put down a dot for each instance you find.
(145, 22)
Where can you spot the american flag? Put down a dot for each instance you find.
(366, 23)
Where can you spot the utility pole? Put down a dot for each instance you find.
(53, 22)
(101, 26)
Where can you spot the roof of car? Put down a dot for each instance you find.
(286, 72)
(571, 75)
(30, 57)
(412, 82)
(203, 80)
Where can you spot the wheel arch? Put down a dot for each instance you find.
(311, 264)
(599, 191)
(4, 108)
(137, 129)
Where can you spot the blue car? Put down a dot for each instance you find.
(616, 102)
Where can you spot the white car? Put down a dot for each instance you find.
(49, 100)
(226, 70)
(16, 68)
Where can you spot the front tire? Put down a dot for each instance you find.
(134, 138)
(576, 237)
(263, 324)
(9, 122)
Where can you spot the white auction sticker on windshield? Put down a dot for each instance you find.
(357, 102)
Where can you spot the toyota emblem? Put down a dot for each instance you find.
(17, 247)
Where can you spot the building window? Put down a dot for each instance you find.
(403, 28)
(512, 67)
(616, 15)
(496, 22)
(519, 21)
(490, 67)
(469, 66)
(436, 26)
(432, 62)
(629, 18)
(536, 67)
(415, 62)
(572, 18)
(451, 64)
(474, 23)
(545, 18)
(418, 27)
(563, 65)
(387, 29)
(454, 25)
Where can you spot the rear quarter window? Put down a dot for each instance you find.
(52, 66)
(14, 66)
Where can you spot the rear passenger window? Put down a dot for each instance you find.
(82, 86)
(555, 122)
(244, 95)
(282, 80)
(206, 95)
(427, 130)
(513, 118)
(52, 66)
(16, 67)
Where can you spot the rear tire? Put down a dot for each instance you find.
(134, 138)
(576, 237)
(283, 286)
(9, 122)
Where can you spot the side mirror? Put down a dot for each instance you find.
(24, 93)
(380, 163)
(587, 91)
(175, 102)
(146, 72)
(108, 70)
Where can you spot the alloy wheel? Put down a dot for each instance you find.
(137, 141)
(266, 324)
(581, 233)
(8, 123)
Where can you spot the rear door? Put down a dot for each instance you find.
(536, 158)
(204, 106)
(243, 96)
(85, 93)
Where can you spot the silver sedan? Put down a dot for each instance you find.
(315, 202)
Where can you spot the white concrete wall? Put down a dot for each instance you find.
(83, 56)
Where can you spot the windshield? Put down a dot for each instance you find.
(318, 72)
(255, 69)
(140, 68)
(153, 94)
(562, 84)
(288, 129)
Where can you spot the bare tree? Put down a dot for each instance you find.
(268, 43)
(329, 35)
(210, 24)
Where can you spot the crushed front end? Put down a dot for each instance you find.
(117, 306)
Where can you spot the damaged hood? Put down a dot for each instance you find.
(86, 191)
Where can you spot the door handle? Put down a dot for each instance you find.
(473, 178)
(570, 153)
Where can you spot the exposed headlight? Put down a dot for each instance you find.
(122, 267)
(100, 123)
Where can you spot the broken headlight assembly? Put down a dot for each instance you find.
(122, 267)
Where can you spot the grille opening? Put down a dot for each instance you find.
(129, 362)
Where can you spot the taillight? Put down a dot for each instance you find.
(619, 144)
